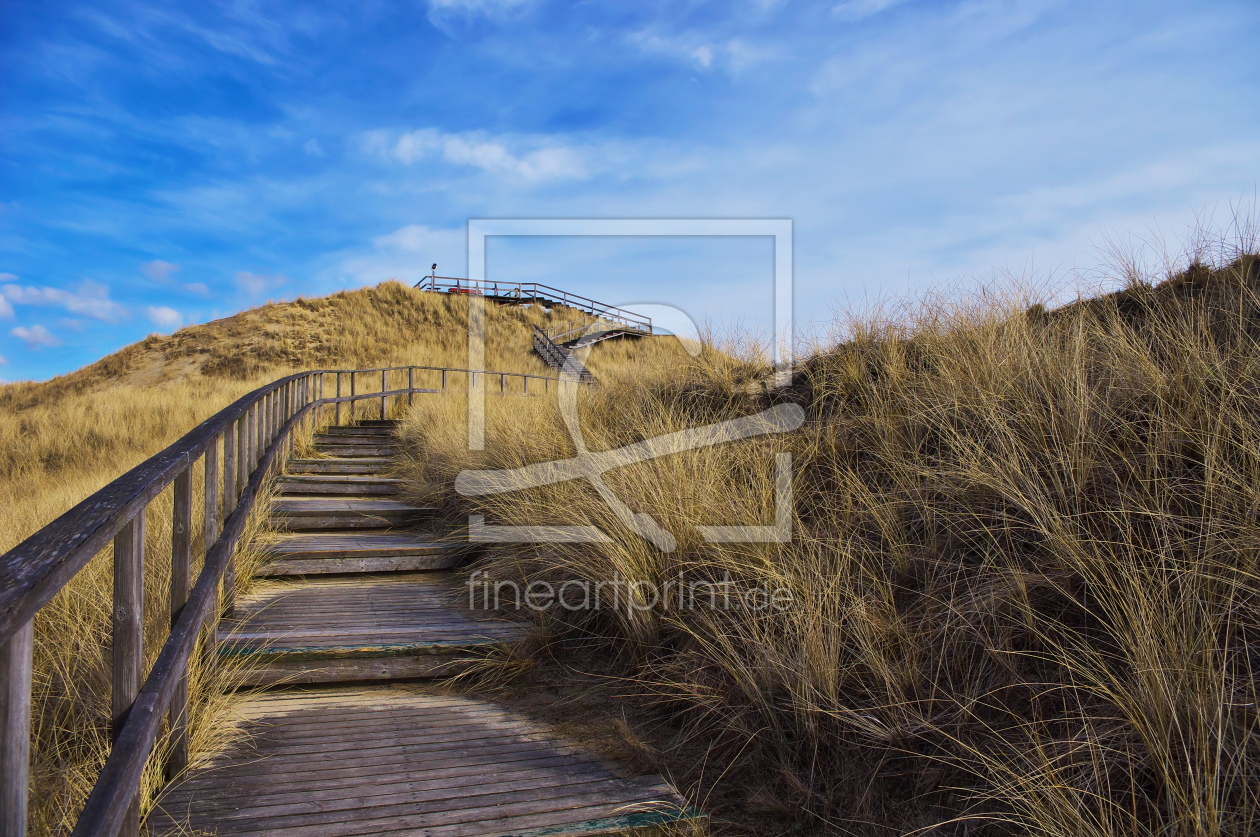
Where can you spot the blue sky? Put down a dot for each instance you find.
(168, 163)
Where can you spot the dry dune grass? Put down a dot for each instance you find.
(65, 438)
(1023, 571)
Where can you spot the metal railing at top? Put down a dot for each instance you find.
(535, 292)
(239, 447)
(574, 329)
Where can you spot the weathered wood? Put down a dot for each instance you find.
(362, 465)
(181, 584)
(230, 470)
(419, 776)
(411, 385)
(351, 451)
(128, 640)
(210, 525)
(305, 514)
(106, 808)
(338, 484)
(15, 729)
(32, 572)
(384, 412)
(337, 416)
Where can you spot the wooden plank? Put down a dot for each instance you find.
(181, 584)
(128, 639)
(296, 506)
(356, 450)
(285, 568)
(15, 718)
(409, 773)
(365, 465)
(355, 546)
(338, 484)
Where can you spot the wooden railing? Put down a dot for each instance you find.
(239, 446)
(535, 292)
(574, 329)
(559, 357)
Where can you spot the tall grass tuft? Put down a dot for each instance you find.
(1023, 569)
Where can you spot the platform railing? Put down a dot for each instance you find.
(535, 292)
(240, 446)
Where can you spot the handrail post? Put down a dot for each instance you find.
(338, 419)
(443, 380)
(128, 631)
(242, 455)
(411, 385)
(383, 414)
(231, 454)
(15, 715)
(502, 384)
(211, 531)
(352, 377)
(181, 583)
(525, 383)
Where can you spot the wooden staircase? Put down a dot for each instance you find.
(358, 589)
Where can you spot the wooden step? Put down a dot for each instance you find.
(338, 484)
(360, 553)
(386, 439)
(359, 465)
(356, 450)
(357, 430)
(360, 628)
(361, 761)
(300, 514)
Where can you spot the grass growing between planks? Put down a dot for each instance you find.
(63, 439)
(1023, 569)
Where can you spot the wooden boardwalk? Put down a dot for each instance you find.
(357, 601)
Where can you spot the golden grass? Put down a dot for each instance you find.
(65, 438)
(1024, 563)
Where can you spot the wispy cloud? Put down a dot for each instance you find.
(530, 159)
(36, 337)
(860, 9)
(90, 299)
(703, 51)
(163, 317)
(6, 310)
(257, 284)
(159, 271)
(198, 288)
(312, 149)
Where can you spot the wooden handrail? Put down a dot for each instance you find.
(252, 433)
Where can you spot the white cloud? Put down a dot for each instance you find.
(410, 238)
(198, 288)
(256, 284)
(35, 337)
(860, 9)
(734, 55)
(3, 360)
(311, 147)
(493, 9)
(90, 299)
(159, 271)
(547, 160)
(6, 310)
(163, 317)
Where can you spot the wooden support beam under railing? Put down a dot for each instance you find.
(15, 730)
(128, 640)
